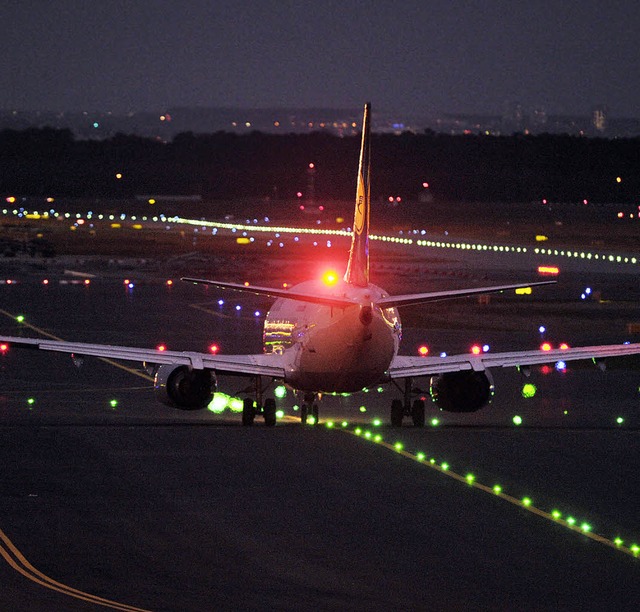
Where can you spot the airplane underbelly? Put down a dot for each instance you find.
(333, 361)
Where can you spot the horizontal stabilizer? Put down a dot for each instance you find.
(436, 296)
(326, 300)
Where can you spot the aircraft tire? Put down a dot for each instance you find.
(248, 411)
(417, 413)
(269, 412)
(397, 413)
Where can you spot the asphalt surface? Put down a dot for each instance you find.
(165, 510)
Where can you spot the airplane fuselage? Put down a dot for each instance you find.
(330, 348)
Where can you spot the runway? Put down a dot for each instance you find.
(162, 510)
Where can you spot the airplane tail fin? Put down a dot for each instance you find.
(358, 266)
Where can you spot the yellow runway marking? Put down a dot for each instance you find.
(16, 559)
(46, 334)
(19, 563)
(524, 503)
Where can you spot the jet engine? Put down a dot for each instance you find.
(464, 391)
(183, 387)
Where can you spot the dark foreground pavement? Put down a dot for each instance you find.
(217, 517)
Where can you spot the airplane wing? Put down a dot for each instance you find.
(407, 366)
(268, 364)
(436, 296)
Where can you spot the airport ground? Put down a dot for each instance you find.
(164, 510)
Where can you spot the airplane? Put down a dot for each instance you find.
(337, 335)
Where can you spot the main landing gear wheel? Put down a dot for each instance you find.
(417, 413)
(248, 411)
(269, 412)
(397, 413)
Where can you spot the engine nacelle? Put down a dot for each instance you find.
(464, 391)
(183, 387)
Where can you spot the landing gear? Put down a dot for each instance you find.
(417, 413)
(309, 410)
(248, 411)
(251, 407)
(269, 412)
(397, 412)
(400, 408)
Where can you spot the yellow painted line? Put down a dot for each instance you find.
(46, 334)
(633, 551)
(19, 563)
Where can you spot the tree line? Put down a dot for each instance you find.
(516, 168)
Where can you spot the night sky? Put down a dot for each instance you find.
(414, 56)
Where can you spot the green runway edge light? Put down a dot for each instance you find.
(583, 527)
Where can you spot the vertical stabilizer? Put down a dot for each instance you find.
(358, 266)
